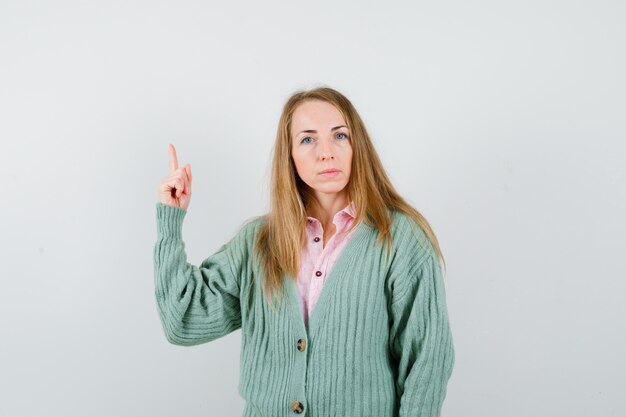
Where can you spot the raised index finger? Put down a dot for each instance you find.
(173, 159)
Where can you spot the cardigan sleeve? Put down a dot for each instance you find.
(196, 304)
(420, 336)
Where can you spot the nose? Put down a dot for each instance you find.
(326, 150)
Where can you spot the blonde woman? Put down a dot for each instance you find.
(338, 289)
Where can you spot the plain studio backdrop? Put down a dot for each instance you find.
(502, 122)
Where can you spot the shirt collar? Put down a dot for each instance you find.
(350, 209)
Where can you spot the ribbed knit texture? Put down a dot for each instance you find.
(377, 344)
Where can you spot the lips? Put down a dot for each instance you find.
(327, 171)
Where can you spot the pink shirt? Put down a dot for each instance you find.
(316, 261)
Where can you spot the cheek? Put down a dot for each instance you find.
(298, 162)
(348, 158)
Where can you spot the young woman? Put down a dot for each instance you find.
(338, 289)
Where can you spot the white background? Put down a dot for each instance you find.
(502, 122)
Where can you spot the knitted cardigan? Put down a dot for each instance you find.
(378, 342)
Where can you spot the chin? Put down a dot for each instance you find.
(330, 190)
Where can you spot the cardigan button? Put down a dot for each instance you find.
(318, 273)
(301, 345)
(317, 239)
(297, 407)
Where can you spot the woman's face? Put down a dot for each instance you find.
(320, 142)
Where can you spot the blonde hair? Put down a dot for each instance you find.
(283, 232)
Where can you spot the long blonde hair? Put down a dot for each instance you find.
(283, 232)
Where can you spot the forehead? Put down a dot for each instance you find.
(315, 115)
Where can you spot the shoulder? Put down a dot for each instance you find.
(249, 229)
(413, 259)
(409, 237)
(240, 245)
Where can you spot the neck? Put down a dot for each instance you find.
(326, 206)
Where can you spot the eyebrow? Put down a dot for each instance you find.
(315, 131)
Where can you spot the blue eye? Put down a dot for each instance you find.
(304, 140)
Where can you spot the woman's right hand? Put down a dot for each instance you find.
(175, 189)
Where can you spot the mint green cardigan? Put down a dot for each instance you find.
(378, 342)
